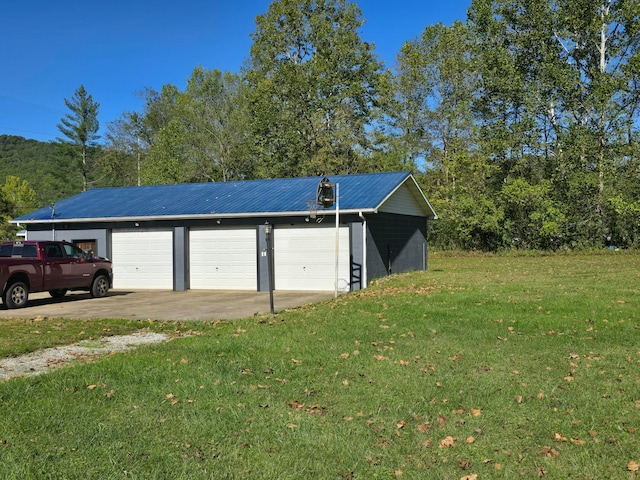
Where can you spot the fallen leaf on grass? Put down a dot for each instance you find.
(470, 477)
(447, 442)
(549, 452)
(316, 410)
(633, 466)
(576, 441)
(476, 412)
(380, 358)
(470, 440)
(560, 438)
(519, 398)
(295, 405)
(423, 427)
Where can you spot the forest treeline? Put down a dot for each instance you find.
(521, 123)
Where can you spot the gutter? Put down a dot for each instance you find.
(208, 216)
(363, 273)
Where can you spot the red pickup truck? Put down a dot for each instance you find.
(56, 267)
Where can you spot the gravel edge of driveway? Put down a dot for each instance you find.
(43, 361)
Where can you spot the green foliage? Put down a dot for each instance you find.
(522, 123)
(533, 105)
(215, 107)
(475, 220)
(168, 160)
(313, 89)
(80, 127)
(534, 220)
(16, 198)
(199, 134)
(38, 163)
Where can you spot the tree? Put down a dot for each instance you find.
(80, 127)
(169, 159)
(124, 151)
(314, 88)
(435, 82)
(557, 104)
(135, 142)
(214, 105)
(435, 125)
(199, 134)
(16, 198)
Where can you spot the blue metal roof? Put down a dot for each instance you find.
(287, 196)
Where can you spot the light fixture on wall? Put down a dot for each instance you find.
(136, 224)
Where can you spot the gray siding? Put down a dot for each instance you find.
(357, 257)
(181, 259)
(263, 265)
(395, 244)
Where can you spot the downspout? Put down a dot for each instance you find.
(363, 279)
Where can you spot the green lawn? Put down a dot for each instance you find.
(482, 367)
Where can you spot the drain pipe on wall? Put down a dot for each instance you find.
(363, 274)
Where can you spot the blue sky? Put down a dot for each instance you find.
(116, 48)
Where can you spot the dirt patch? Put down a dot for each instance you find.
(43, 361)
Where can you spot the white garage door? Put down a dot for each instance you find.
(304, 258)
(142, 259)
(223, 259)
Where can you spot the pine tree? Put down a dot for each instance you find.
(80, 127)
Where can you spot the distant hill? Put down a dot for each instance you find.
(39, 163)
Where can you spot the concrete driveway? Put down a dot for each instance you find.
(162, 304)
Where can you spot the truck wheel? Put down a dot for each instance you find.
(100, 286)
(16, 295)
(58, 293)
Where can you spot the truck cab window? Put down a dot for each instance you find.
(73, 251)
(54, 251)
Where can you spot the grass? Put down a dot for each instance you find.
(481, 367)
(24, 335)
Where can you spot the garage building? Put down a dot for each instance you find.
(212, 235)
